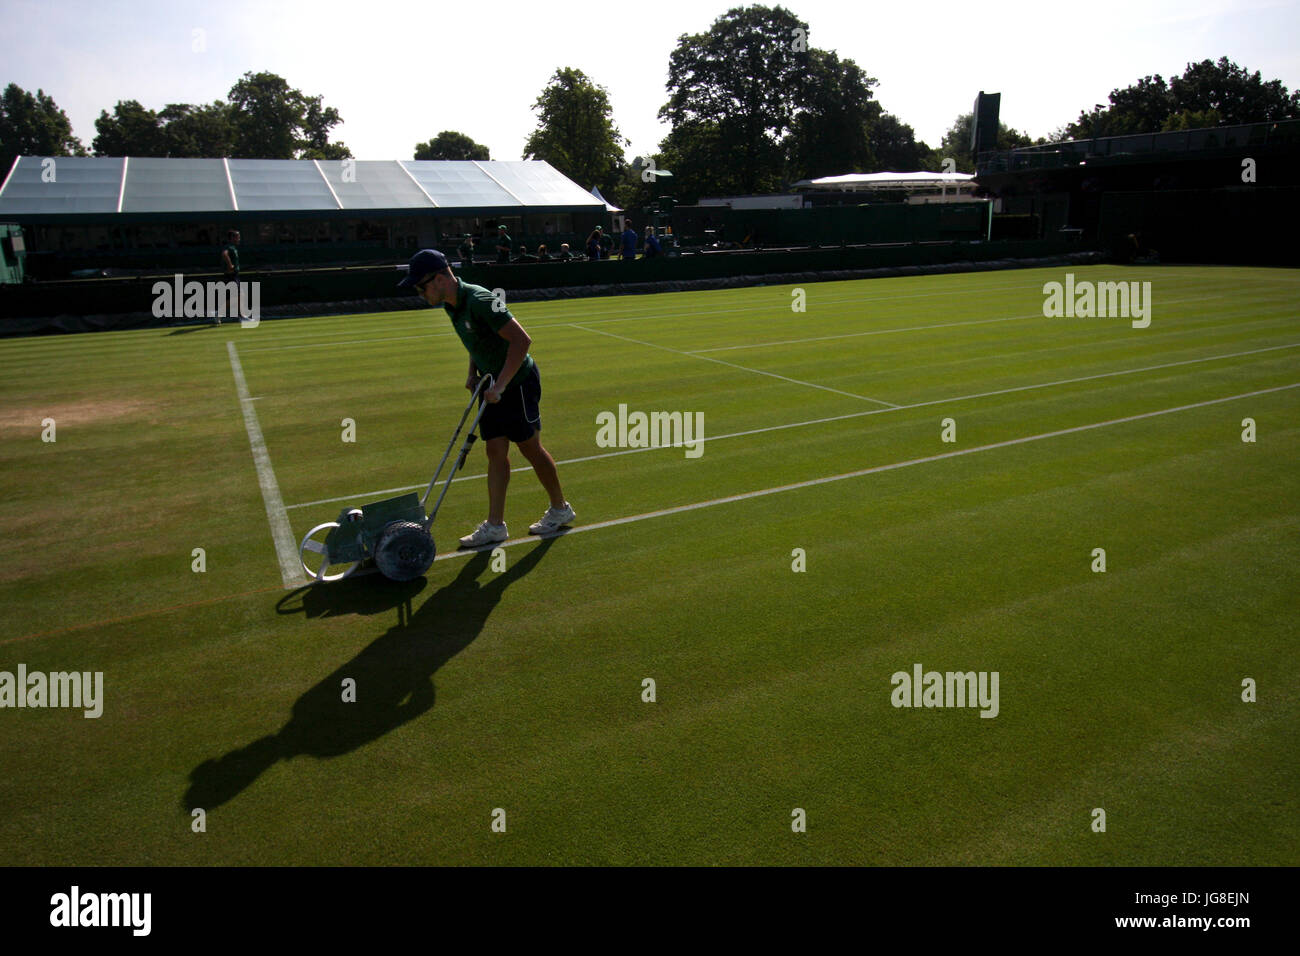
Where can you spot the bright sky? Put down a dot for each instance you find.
(399, 72)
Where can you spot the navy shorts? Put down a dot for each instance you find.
(518, 415)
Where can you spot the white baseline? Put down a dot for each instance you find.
(744, 496)
(832, 418)
(742, 368)
(286, 550)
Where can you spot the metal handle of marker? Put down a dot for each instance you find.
(484, 384)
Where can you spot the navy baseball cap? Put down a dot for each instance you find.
(422, 263)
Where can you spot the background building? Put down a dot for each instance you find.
(132, 214)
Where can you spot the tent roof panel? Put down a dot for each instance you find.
(459, 184)
(91, 186)
(62, 184)
(373, 184)
(279, 184)
(538, 183)
(176, 185)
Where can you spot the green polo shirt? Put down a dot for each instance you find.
(233, 252)
(478, 325)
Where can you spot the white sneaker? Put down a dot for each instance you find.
(484, 534)
(553, 520)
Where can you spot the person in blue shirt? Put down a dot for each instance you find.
(652, 247)
(629, 242)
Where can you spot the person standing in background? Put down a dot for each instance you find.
(229, 261)
(230, 256)
(652, 247)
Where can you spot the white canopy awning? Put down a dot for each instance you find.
(595, 191)
(851, 181)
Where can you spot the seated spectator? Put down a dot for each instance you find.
(594, 245)
(524, 255)
(542, 254)
(565, 255)
(467, 251)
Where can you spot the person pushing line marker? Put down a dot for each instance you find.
(497, 346)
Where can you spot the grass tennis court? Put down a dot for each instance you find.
(478, 689)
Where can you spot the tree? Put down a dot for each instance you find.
(709, 159)
(266, 117)
(956, 143)
(179, 130)
(33, 126)
(895, 146)
(830, 131)
(131, 130)
(1140, 108)
(270, 120)
(1059, 135)
(198, 131)
(637, 189)
(576, 132)
(317, 121)
(1191, 119)
(451, 145)
(1206, 90)
(1234, 94)
(743, 80)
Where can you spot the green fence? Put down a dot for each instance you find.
(136, 294)
(1176, 144)
(832, 225)
(12, 254)
(1247, 224)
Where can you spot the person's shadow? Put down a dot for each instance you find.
(393, 678)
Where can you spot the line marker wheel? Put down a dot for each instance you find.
(311, 544)
(395, 533)
(404, 550)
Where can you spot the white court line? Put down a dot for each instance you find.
(832, 418)
(742, 368)
(654, 314)
(431, 334)
(435, 333)
(665, 512)
(912, 328)
(285, 550)
(1161, 337)
(853, 335)
(660, 313)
